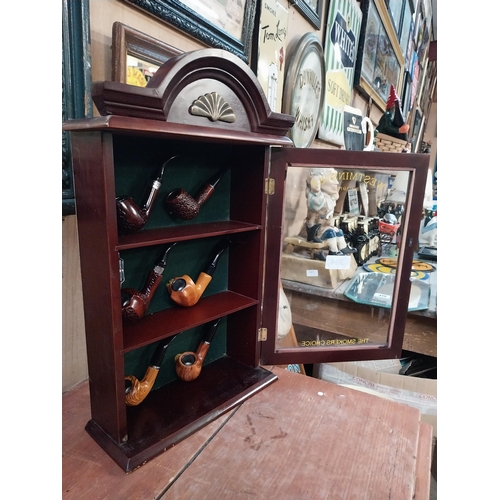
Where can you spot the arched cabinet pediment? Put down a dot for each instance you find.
(206, 87)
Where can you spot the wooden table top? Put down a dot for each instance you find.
(300, 438)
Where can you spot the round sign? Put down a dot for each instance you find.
(304, 89)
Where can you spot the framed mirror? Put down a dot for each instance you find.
(136, 55)
(349, 230)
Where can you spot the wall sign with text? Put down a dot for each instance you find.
(272, 49)
(341, 45)
(304, 92)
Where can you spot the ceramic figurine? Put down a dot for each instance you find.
(322, 195)
(392, 122)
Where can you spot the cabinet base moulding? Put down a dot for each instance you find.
(160, 421)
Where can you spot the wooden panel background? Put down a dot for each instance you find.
(74, 352)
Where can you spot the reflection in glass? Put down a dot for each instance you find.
(405, 27)
(139, 72)
(225, 14)
(338, 224)
(377, 288)
(395, 7)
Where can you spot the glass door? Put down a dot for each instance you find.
(342, 235)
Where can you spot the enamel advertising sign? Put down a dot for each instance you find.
(341, 46)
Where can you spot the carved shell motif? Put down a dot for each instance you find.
(214, 107)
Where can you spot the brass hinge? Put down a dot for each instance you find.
(269, 186)
(262, 334)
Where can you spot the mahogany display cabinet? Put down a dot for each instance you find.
(202, 127)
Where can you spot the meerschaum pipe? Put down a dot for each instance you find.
(134, 303)
(183, 205)
(135, 390)
(188, 364)
(131, 217)
(184, 291)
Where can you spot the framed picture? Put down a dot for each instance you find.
(414, 137)
(401, 14)
(380, 61)
(406, 96)
(415, 78)
(271, 51)
(76, 83)
(311, 10)
(136, 56)
(418, 25)
(222, 24)
(424, 43)
(395, 8)
(405, 27)
(421, 83)
(410, 51)
(428, 87)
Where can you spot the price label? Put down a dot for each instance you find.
(338, 262)
(383, 298)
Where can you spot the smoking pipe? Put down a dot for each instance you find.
(183, 205)
(131, 217)
(188, 364)
(184, 291)
(135, 390)
(134, 303)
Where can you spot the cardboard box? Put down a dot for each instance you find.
(380, 365)
(418, 392)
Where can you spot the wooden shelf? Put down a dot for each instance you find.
(154, 327)
(149, 237)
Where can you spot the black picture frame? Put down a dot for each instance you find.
(415, 131)
(406, 95)
(76, 82)
(179, 15)
(311, 10)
